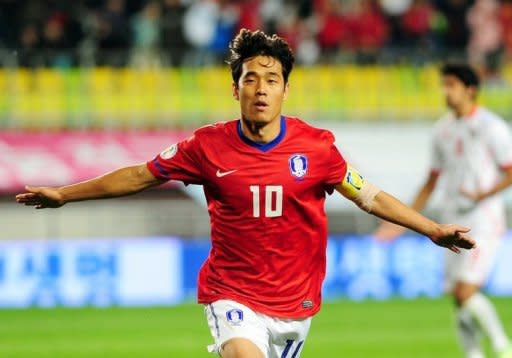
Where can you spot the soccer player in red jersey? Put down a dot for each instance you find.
(265, 178)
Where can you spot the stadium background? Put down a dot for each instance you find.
(89, 86)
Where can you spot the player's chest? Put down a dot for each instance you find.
(463, 142)
(240, 176)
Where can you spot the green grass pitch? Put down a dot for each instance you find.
(392, 329)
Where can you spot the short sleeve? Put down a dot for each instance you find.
(336, 166)
(500, 143)
(181, 161)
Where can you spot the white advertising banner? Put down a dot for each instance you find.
(90, 272)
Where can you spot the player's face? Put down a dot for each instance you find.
(261, 90)
(457, 95)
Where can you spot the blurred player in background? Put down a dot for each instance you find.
(472, 151)
(265, 178)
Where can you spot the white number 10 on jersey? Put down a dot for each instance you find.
(273, 201)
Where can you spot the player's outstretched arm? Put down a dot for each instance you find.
(390, 231)
(120, 182)
(379, 203)
(391, 209)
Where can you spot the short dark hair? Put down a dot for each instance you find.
(248, 44)
(464, 72)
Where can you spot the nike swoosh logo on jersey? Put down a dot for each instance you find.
(223, 174)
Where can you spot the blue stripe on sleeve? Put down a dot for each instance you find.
(161, 170)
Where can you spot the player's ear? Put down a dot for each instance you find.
(286, 89)
(234, 87)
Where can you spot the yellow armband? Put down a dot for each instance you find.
(352, 183)
(358, 190)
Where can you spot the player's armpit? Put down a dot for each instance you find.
(355, 188)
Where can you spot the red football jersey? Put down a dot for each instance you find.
(266, 206)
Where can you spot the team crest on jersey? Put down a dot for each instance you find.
(169, 152)
(298, 164)
(235, 316)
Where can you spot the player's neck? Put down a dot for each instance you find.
(465, 110)
(261, 133)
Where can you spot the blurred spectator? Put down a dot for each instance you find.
(394, 10)
(485, 42)
(289, 27)
(146, 35)
(416, 25)
(200, 26)
(57, 47)
(7, 25)
(113, 35)
(368, 31)
(307, 51)
(305, 9)
(299, 32)
(29, 50)
(456, 35)
(271, 13)
(173, 42)
(224, 29)
(32, 11)
(249, 15)
(197, 32)
(333, 27)
(506, 25)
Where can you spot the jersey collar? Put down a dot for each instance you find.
(264, 147)
(471, 115)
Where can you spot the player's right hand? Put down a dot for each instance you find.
(388, 231)
(41, 197)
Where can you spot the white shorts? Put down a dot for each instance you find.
(472, 266)
(276, 338)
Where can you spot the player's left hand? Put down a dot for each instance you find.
(453, 237)
(476, 196)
